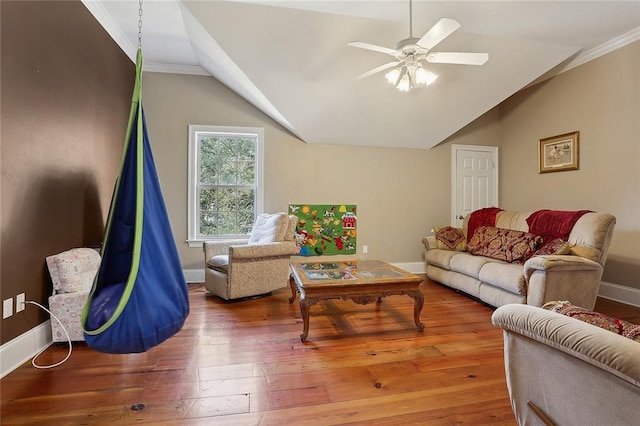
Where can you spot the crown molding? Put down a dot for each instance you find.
(603, 49)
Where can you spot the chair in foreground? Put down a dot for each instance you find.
(562, 370)
(236, 269)
(72, 273)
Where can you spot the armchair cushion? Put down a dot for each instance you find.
(269, 228)
(219, 263)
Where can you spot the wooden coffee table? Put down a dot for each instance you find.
(363, 281)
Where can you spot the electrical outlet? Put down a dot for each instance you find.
(20, 303)
(365, 249)
(7, 308)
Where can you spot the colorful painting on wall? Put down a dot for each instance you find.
(325, 229)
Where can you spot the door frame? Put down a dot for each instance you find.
(493, 150)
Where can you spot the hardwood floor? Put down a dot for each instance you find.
(243, 364)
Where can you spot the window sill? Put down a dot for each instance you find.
(194, 243)
(198, 243)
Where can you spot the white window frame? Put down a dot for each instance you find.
(193, 207)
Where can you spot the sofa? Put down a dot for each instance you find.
(566, 365)
(72, 273)
(488, 265)
(238, 269)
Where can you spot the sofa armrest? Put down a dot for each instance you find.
(606, 350)
(256, 251)
(215, 248)
(561, 277)
(559, 262)
(429, 242)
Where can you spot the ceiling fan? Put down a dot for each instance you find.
(412, 54)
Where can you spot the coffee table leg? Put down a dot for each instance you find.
(418, 303)
(304, 312)
(294, 290)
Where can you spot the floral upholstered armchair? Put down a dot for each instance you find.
(72, 273)
(236, 269)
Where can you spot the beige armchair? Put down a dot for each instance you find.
(566, 371)
(236, 269)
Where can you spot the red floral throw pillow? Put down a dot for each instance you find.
(503, 244)
(624, 328)
(554, 246)
(450, 238)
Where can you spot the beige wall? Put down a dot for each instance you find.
(400, 193)
(66, 94)
(601, 99)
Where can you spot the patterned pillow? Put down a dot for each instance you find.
(450, 238)
(554, 246)
(623, 328)
(503, 244)
(73, 271)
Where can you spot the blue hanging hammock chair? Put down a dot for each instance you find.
(139, 296)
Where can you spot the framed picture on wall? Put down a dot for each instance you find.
(559, 153)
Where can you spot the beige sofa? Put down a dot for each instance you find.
(574, 277)
(567, 372)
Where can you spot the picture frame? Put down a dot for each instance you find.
(559, 153)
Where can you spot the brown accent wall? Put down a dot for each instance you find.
(65, 97)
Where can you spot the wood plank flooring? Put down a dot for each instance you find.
(243, 364)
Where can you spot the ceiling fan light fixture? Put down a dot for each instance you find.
(393, 75)
(411, 54)
(425, 77)
(405, 83)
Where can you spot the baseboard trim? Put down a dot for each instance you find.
(620, 293)
(413, 267)
(194, 275)
(15, 352)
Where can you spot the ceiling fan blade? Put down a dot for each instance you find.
(377, 70)
(373, 47)
(438, 32)
(457, 58)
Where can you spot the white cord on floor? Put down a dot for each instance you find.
(33, 361)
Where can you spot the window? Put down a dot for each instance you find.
(225, 182)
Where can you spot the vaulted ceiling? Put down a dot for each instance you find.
(290, 59)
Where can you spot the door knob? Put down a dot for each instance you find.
(460, 217)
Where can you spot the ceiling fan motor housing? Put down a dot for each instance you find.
(409, 46)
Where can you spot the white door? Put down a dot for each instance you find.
(474, 179)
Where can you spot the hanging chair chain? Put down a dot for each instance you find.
(140, 24)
